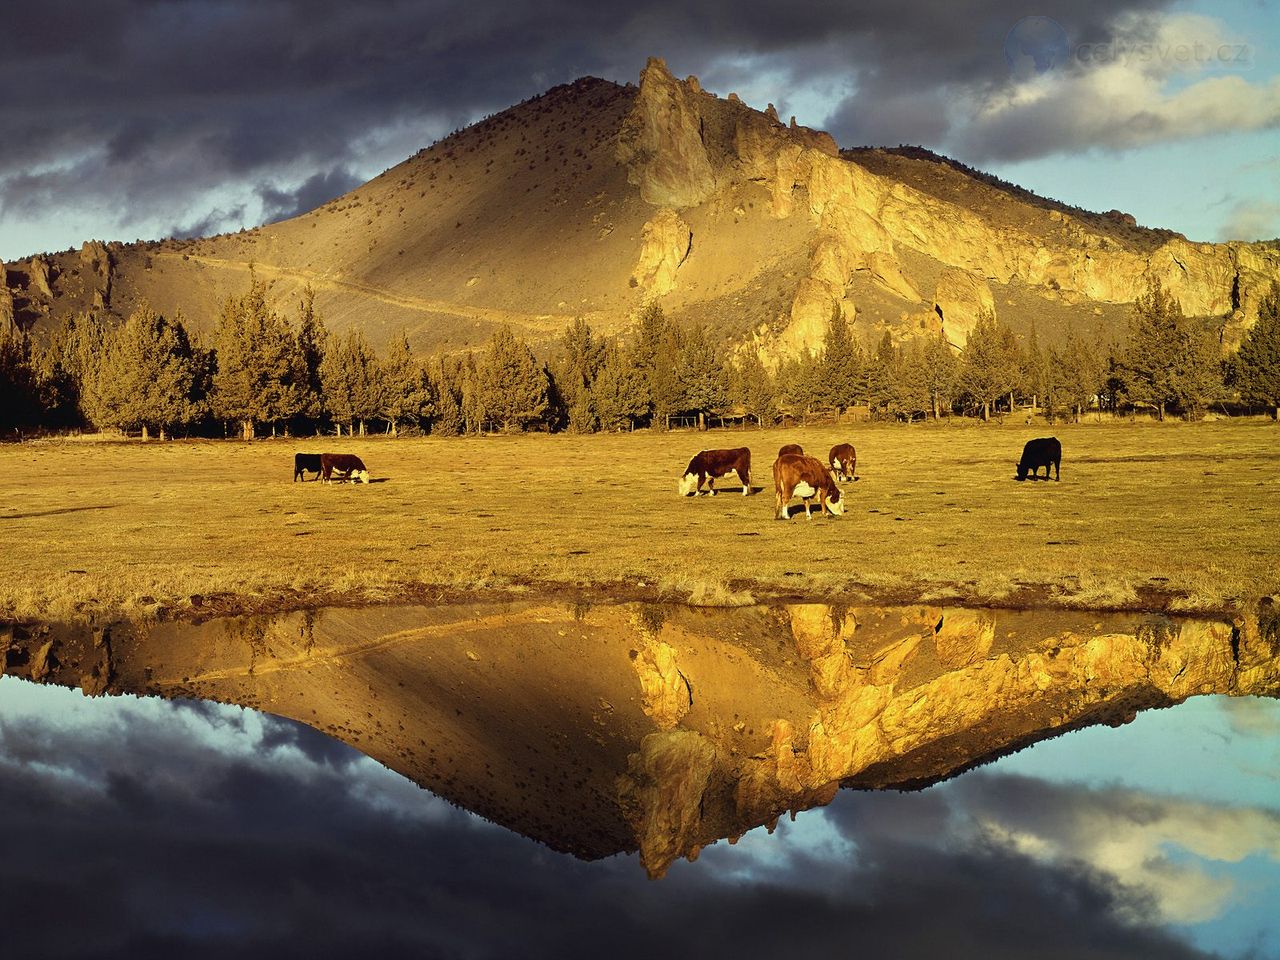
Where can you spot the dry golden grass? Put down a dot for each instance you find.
(1176, 514)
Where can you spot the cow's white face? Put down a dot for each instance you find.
(361, 476)
(836, 506)
(687, 484)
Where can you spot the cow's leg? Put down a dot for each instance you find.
(746, 482)
(711, 484)
(808, 504)
(1057, 471)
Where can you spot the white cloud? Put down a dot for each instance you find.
(1140, 841)
(1152, 82)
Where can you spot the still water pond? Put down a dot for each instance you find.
(192, 826)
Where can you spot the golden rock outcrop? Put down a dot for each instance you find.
(665, 245)
(7, 324)
(661, 143)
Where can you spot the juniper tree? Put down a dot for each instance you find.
(256, 381)
(147, 375)
(911, 394)
(350, 379)
(474, 414)
(841, 363)
(1198, 367)
(1035, 370)
(800, 385)
(17, 380)
(702, 385)
(448, 418)
(938, 371)
(989, 363)
(619, 393)
(883, 374)
(1078, 374)
(309, 356)
(512, 384)
(67, 362)
(754, 389)
(1258, 362)
(656, 353)
(1147, 365)
(574, 373)
(406, 392)
(581, 354)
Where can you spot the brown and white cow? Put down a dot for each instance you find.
(790, 448)
(844, 461)
(796, 475)
(347, 465)
(709, 464)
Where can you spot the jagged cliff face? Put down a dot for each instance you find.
(684, 147)
(7, 324)
(622, 727)
(594, 199)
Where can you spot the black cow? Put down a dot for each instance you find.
(305, 463)
(1041, 452)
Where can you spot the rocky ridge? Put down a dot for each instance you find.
(595, 199)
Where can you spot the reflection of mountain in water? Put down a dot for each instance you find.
(597, 729)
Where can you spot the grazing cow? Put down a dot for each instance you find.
(348, 465)
(305, 463)
(790, 448)
(796, 475)
(844, 461)
(1041, 452)
(709, 464)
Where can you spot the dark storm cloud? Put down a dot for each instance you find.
(154, 830)
(216, 220)
(131, 105)
(315, 190)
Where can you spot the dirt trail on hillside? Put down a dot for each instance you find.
(542, 322)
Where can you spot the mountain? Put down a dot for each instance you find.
(594, 197)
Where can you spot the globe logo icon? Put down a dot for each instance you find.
(1036, 45)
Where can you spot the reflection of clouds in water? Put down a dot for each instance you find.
(1137, 839)
(762, 857)
(199, 829)
(1192, 750)
(97, 746)
(1252, 716)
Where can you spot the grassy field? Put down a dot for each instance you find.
(1178, 515)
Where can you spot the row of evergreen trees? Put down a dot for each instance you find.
(261, 370)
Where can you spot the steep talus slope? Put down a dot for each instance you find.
(594, 197)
